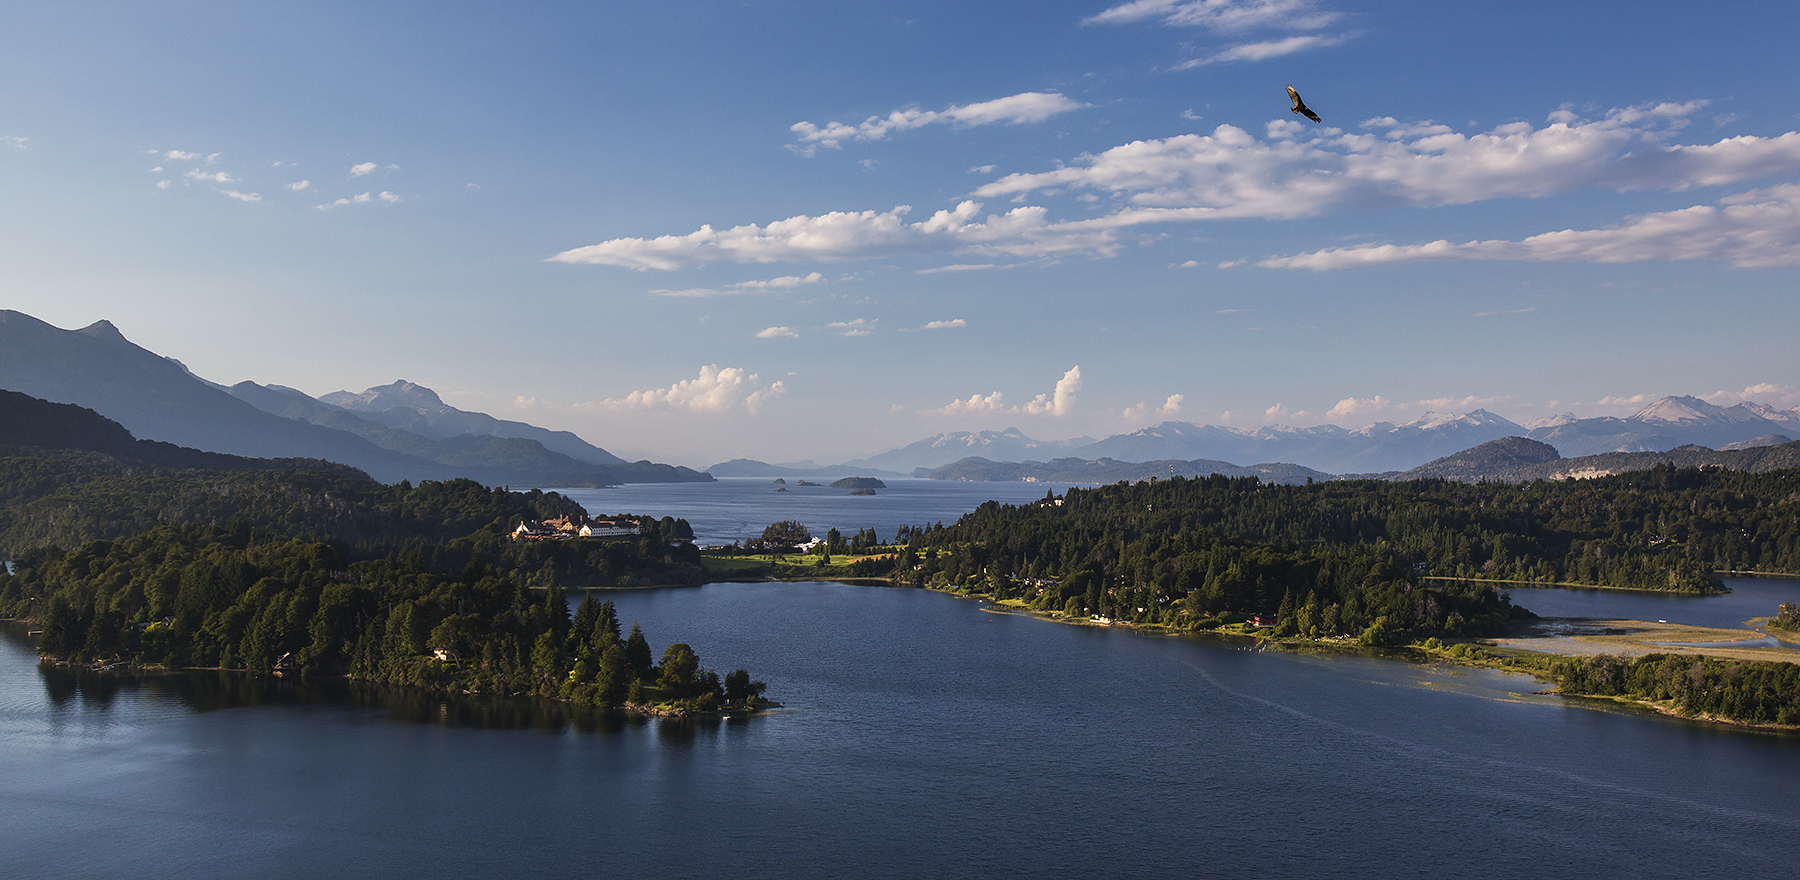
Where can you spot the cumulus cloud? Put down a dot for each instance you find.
(1017, 109)
(1757, 228)
(162, 184)
(777, 333)
(388, 197)
(217, 177)
(296, 187)
(1142, 411)
(1059, 402)
(16, 142)
(714, 390)
(362, 169)
(1280, 413)
(180, 156)
(945, 325)
(243, 196)
(1291, 172)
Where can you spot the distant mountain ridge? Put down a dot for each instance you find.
(941, 449)
(1106, 470)
(1498, 461)
(156, 397)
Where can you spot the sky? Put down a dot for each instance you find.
(816, 230)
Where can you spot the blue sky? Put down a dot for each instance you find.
(791, 229)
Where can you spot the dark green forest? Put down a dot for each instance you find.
(1752, 692)
(1360, 558)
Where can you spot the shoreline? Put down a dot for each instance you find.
(1501, 653)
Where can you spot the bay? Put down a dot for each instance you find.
(924, 735)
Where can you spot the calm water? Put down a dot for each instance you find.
(926, 737)
(1749, 597)
(734, 509)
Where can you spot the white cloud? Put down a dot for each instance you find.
(1142, 411)
(778, 333)
(1295, 171)
(1351, 407)
(362, 169)
(1265, 50)
(359, 199)
(243, 196)
(1302, 171)
(1062, 400)
(180, 156)
(982, 169)
(959, 267)
(1058, 403)
(781, 282)
(1224, 16)
(841, 235)
(857, 327)
(1762, 392)
(1757, 228)
(1279, 413)
(945, 325)
(296, 187)
(714, 390)
(388, 197)
(16, 142)
(162, 184)
(785, 281)
(976, 405)
(1017, 109)
(217, 177)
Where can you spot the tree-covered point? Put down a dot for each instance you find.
(244, 598)
(1751, 692)
(1192, 551)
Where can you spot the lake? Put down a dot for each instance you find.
(925, 736)
(734, 509)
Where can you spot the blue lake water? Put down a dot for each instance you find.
(735, 509)
(1749, 597)
(925, 736)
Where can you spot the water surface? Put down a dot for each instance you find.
(926, 736)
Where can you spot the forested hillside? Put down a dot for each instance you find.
(1342, 556)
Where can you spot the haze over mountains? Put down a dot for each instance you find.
(157, 398)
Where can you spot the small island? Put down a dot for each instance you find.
(858, 483)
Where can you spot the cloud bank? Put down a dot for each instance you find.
(1291, 172)
(1754, 229)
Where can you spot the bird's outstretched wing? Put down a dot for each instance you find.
(1300, 106)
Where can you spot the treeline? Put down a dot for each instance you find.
(66, 499)
(1340, 556)
(1752, 692)
(246, 598)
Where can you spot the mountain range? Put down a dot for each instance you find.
(1379, 449)
(394, 432)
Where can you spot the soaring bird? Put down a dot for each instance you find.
(1300, 106)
